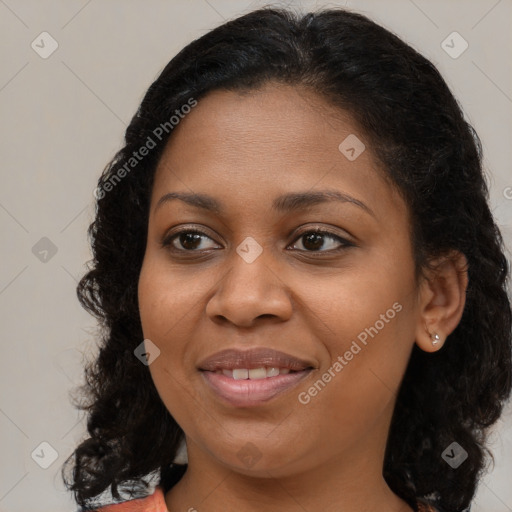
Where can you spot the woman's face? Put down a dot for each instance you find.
(269, 170)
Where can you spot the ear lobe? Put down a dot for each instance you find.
(442, 300)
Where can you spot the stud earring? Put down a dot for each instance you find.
(435, 338)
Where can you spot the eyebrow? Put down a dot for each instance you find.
(285, 203)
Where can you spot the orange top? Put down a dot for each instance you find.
(153, 503)
(156, 503)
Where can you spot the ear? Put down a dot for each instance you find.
(442, 297)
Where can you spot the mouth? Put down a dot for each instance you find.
(253, 377)
(254, 373)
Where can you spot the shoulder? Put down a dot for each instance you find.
(145, 494)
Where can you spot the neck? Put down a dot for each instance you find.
(350, 481)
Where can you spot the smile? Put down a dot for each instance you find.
(242, 387)
(251, 377)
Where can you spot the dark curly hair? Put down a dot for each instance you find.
(429, 152)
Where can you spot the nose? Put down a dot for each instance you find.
(248, 292)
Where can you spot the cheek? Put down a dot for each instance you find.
(166, 299)
(358, 386)
(370, 320)
(374, 297)
(169, 307)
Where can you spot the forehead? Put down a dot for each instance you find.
(291, 118)
(268, 141)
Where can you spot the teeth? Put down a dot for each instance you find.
(240, 373)
(257, 373)
(272, 372)
(253, 373)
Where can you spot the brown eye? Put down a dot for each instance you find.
(188, 240)
(315, 241)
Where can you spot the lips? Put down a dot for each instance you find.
(252, 377)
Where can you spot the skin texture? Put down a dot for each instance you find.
(246, 149)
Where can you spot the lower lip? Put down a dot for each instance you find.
(252, 392)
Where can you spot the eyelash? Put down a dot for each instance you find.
(344, 244)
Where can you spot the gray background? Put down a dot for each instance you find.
(64, 117)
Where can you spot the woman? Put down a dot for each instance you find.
(299, 279)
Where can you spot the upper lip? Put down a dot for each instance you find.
(253, 358)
